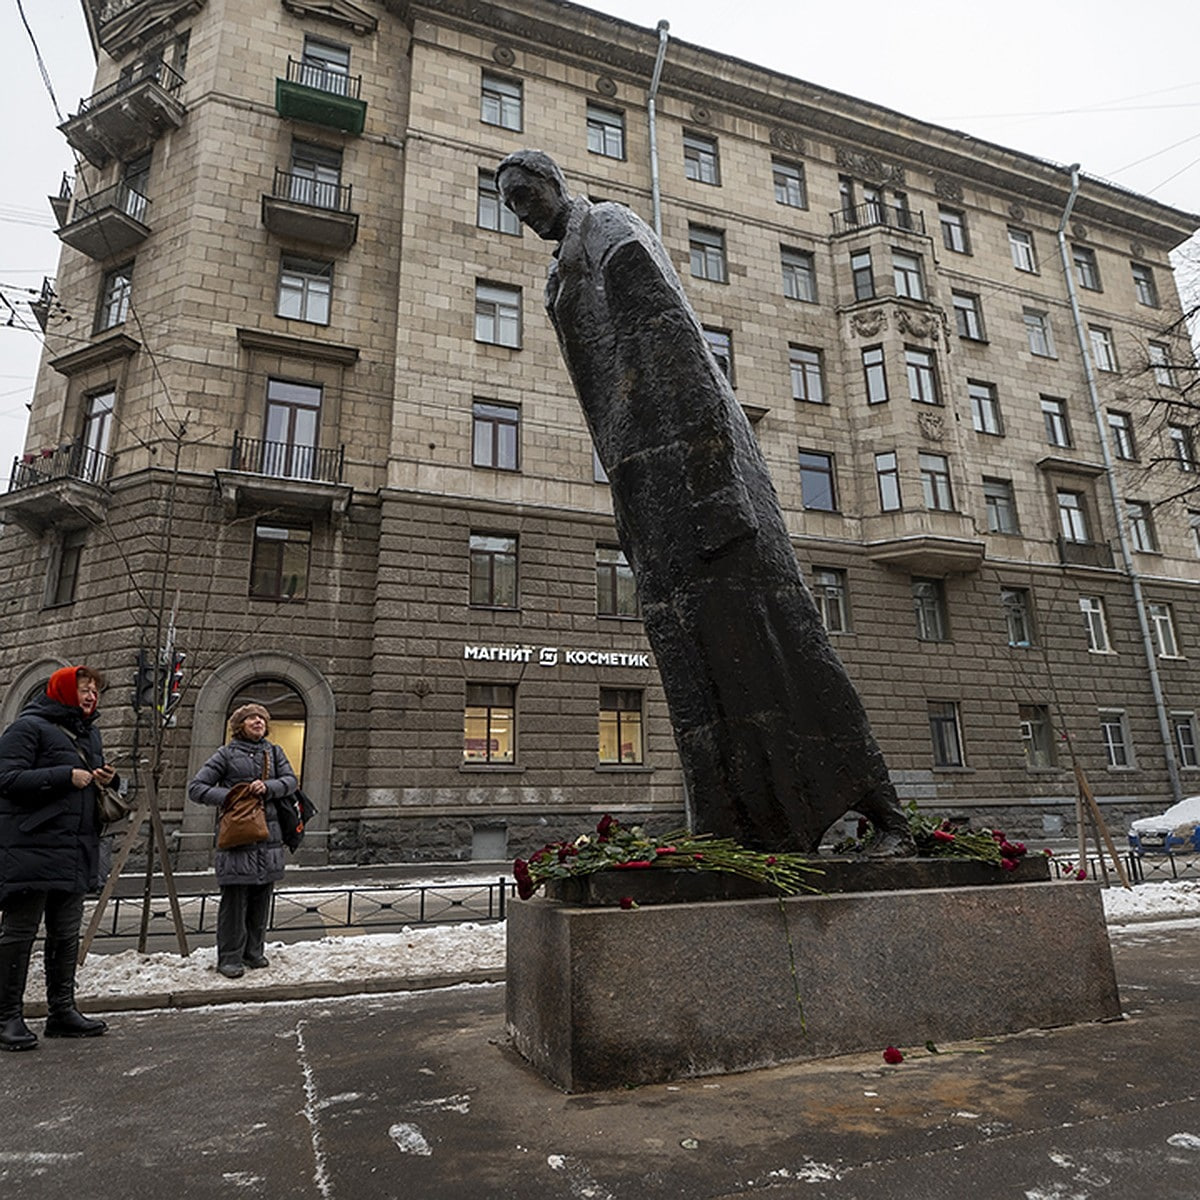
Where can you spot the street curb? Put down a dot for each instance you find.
(271, 993)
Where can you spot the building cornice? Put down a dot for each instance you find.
(296, 347)
(96, 354)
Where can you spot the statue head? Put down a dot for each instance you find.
(532, 185)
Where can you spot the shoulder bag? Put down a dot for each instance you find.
(243, 820)
(111, 806)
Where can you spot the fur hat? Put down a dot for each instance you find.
(238, 719)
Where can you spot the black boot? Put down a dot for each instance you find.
(64, 1019)
(14, 968)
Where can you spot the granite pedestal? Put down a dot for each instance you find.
(600, 997)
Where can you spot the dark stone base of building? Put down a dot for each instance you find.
(600, 997)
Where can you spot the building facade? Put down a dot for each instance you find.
(309, 426)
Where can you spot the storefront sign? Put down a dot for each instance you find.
(551, 656)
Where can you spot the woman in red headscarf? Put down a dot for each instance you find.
(51, 763)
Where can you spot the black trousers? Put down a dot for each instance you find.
(242, 921)
(63, 913)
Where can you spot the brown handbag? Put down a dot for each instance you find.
(243, 817)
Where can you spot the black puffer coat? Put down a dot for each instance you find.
(49, 829)
(241, 762)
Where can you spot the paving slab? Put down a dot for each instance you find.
(418, 1096)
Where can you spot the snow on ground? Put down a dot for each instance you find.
(445, 950)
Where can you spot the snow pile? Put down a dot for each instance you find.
(1152, 901)
(442, 950)
(409, 954)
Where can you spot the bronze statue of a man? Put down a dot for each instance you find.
(773, 738)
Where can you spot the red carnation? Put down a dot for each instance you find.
(627, 902)
(892, 1056)
(605, 826)
(941, 835)
(771, 860)
(525, 884)
(633, 862)
(665, 850)
(1081, 873)
(1008, 864)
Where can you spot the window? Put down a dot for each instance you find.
(325, 66)
(496, 436)
(498, 315)
(1144, 287)
(1072, 517)
(1141, 526)
(293, 419)
(64, 574)
(789, 183)
(1104, 354)
(985, 407)
(1086, 270)
(304, 290)
(1018, 615)
(875, 374)
(1120, 428)
(489, 723)
(862, 275)
(279, 562)
(1020, 244)
(1160, 362)
(922, 381)
(817, 489)
(1096, 624)
(616, 592)
(944, 731)
(1115, 736)
(491, 212)
(906, 275)
(135, 175)
(1182, 447)
(1162, 626)
(1058, 428)
(807, 381)
(799, 275)
(620, 726)
(1037, 327)
(720, 342)
(605, 131)
(316, 176)
(1001, 506)
(493, 571)
(500, 102)
(700, 159)
(968, 316)
(829, 591)
(97, 432)
(114, 298)
(707, 247)
(1184, 725)
(887, 476)
(954, 230)
(1037, 735)
(935, 482)
(929, 608)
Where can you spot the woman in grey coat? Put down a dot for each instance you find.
(246, 874)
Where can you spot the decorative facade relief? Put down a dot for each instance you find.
(1016, 211)
(701, 114)
(606, 86)
(339, 12)
(786, 139)
(869, 322)
(126, 25)
(867, 165)
(945, 187)
(917, 324)
(932, 426)
(504, 55)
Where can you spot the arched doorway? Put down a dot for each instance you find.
(28, 683)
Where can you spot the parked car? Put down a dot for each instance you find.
(1177, 830)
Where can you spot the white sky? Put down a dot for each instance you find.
(453, 949)
(1112, 86)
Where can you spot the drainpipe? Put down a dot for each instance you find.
(651, 110)
(1135, 580)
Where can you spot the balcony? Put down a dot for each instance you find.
(107, 223)
(127, 116)
(876, 213)
(304, 209)
(283, 476)
(57, 487)
(61, 204)
(1084, 554)
(924, 542)
(315, 94)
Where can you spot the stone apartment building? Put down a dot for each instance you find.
(307, 422)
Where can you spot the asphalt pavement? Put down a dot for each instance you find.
(418, 1096)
